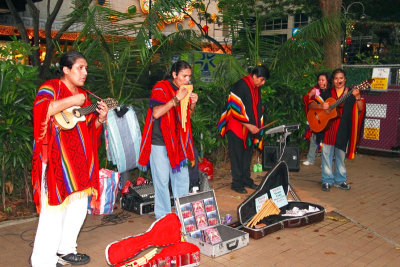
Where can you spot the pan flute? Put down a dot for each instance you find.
(184, 105)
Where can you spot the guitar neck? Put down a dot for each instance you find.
(88, 109)
(341, 100)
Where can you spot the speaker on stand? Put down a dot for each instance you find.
(289, 154)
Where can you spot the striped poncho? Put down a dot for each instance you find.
(70, 155)
(244, 105)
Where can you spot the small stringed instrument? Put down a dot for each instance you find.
(68, 118)
(318, 118)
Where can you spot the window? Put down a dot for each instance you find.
(276, 39)
(300, 20)
(276, 24)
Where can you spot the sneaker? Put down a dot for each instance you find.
(343, 186)
(308, 163)
(326, 187)
(74, 259)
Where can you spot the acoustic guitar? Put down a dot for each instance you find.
(68, 118)
(318, 118)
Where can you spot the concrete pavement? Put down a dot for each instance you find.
(361, 226)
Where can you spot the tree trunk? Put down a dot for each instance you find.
(333, 52)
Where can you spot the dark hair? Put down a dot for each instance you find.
(323, 74)
(261, 71)
(68, 60)
(339, 70)
(178, 66)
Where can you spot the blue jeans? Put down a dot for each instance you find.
(161, 171)
(339, 175)
(312, 151)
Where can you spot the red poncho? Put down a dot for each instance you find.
(70, 155)
(179, 144)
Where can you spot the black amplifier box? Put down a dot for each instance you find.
(133, 203)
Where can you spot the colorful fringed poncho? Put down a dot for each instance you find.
(178, 143)
(244, 105)
(344, 131)
(70, 155)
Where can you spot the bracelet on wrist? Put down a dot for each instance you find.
(175, 100)
(102, 122)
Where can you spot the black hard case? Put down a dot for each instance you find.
(279, 175)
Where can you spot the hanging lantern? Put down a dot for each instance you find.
(178, 26)
(131, 10)
(161, 26)
(214, 17)
(205, 29)
(349, 40)
(191, 23)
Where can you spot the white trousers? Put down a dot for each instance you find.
(58, 229)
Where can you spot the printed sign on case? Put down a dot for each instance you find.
(260, 201)
(278, 196)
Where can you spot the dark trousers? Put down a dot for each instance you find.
(240, 161)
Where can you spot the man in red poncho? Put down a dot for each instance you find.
(64, 164)
(166, 145)
(242, 122)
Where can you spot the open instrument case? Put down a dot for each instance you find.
(199, 216)
(277, 176)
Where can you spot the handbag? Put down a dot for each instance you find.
(108, 188)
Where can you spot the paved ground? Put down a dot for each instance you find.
(361, 226)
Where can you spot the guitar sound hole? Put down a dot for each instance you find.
(76, 113)
(317, 117)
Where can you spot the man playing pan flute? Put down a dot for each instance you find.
(166, 143)
(241, 122)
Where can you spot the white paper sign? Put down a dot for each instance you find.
(381, 79)
(278, 196)
(260, 201)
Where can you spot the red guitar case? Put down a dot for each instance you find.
(165, 233)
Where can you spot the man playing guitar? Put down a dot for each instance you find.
(341, 133)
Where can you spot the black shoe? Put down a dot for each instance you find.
(59, 264)
(74, 259)
(240, 190)
(326, 187)
(252, 186)
(343, 186)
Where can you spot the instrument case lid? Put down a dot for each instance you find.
(278, 175)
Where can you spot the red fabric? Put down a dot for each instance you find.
(307, 99)
(355, 129)
(254, 96)
(179, 143)
(331, 131)
(71, 155)
(207, 167)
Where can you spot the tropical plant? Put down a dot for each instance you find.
(17, 91)
(79, 9)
